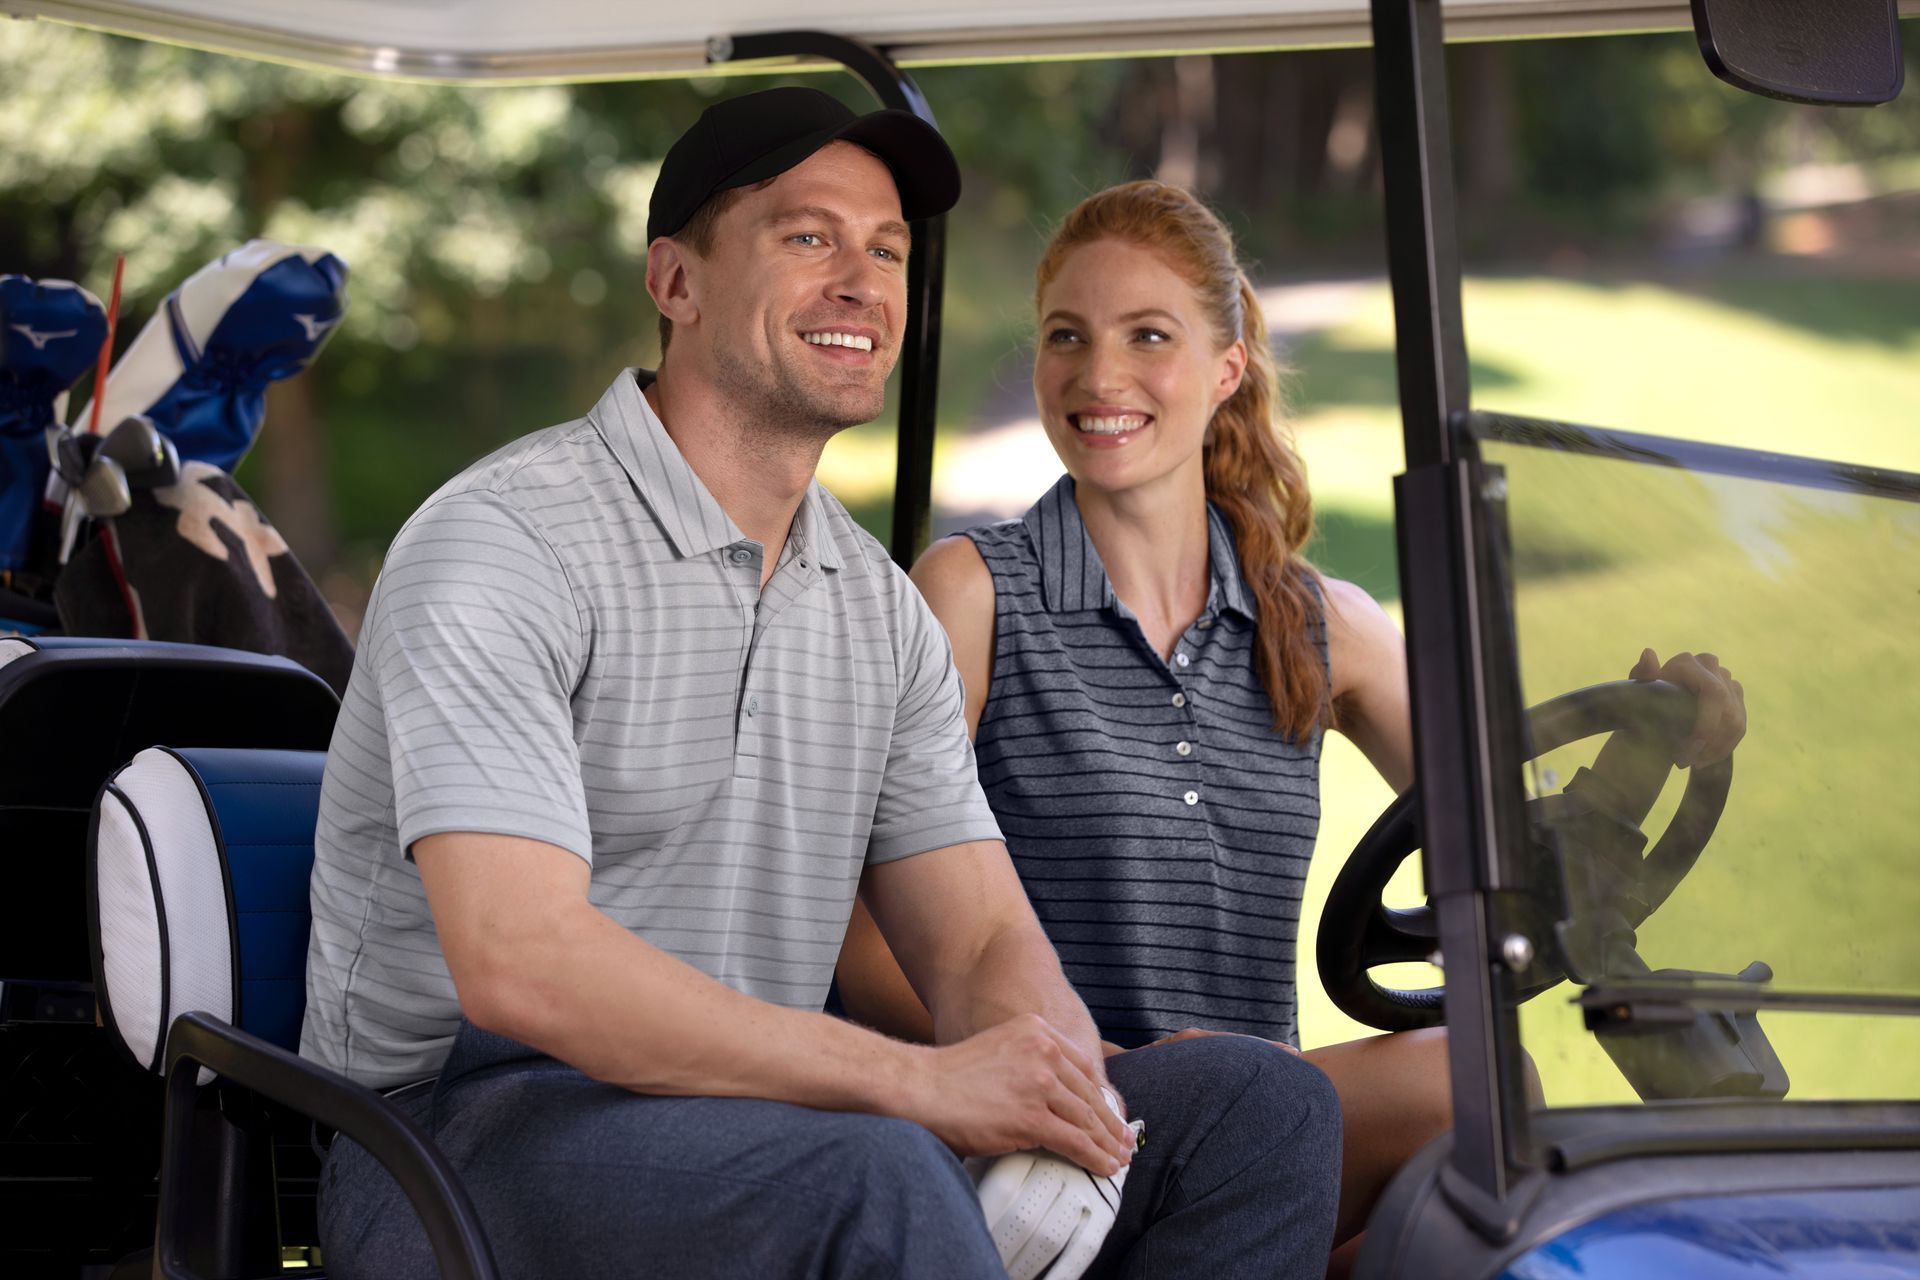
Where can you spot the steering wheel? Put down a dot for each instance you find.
(1359, 932)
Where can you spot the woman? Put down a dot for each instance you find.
(1149, 665)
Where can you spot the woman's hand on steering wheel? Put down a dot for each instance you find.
(1721, 718)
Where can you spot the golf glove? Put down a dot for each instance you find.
(1047, 1215)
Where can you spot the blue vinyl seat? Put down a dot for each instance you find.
(80, 1128)
(199, 860)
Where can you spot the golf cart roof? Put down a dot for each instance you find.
(493, 40)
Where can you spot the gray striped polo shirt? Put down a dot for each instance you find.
(569, 642)
(1161, 825)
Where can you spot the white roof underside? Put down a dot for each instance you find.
(491, 40)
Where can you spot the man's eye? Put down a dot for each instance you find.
(806, 239)
(885, 253)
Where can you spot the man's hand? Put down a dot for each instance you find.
(1046, 1214)
(1721, 719)
(1019, 1085)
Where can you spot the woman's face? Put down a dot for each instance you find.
(1127, 374)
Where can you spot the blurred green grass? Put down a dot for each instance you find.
(1812, 869)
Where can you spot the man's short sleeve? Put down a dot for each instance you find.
(930, 797)
(476, 644)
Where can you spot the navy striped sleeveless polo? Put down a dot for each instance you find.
(1160, 824)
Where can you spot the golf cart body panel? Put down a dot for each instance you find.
(1807, 1235)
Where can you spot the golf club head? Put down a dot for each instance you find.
(148, 458)
(71, 453)
(104, 491)
(161, 474)
(134, 444)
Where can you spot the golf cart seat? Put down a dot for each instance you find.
(199, 860)
(79, 1126)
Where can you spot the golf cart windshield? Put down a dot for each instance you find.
(1752, 935)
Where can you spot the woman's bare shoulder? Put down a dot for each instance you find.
(951, 573)
(1360, 635)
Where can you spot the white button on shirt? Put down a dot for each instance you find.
(1192, 797)
(1179, 699)
(1184, 748)
(1181, 659)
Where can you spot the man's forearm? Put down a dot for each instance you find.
(593, 995)
(1016, 972)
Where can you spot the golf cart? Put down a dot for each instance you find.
(1710, 981)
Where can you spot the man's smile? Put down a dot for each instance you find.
(843, 344)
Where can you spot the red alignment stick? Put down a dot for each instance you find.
(106, 348)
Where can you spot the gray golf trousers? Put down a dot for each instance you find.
(577, 1180)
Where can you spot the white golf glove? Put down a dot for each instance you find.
(1044, 1210)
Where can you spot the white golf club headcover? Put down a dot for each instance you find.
(1047, 1215)
(200, 367)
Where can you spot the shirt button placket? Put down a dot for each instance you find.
(1185, 748)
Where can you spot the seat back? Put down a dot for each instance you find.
(80, 1126)
(197, 892)
(74, 709)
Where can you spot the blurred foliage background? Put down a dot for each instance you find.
(495, 235)
(1647, 249)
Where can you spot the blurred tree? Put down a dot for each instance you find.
(496, 235)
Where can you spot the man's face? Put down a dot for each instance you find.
(804, 294)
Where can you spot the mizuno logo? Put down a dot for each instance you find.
(315, 327)
(39, 339)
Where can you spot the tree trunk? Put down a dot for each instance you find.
(294, 478)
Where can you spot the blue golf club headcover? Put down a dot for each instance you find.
(50, 334)
(200, 367)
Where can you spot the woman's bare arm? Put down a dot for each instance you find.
(959, 589)
(1370, 701)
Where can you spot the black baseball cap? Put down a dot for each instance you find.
(749, 139)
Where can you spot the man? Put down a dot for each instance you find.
(637, 709)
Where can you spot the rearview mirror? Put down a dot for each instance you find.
(1831, 52)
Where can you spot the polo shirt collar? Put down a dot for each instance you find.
(814, 528)
(1073, 578)
(1224, 553)
(691, 517)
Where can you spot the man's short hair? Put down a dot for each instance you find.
(697, 235)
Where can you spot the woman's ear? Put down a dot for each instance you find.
(1233, 367)
(669, 281)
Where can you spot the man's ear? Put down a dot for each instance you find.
(670, 280)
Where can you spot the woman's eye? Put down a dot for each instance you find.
(1151, 335)
(1060, 337)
